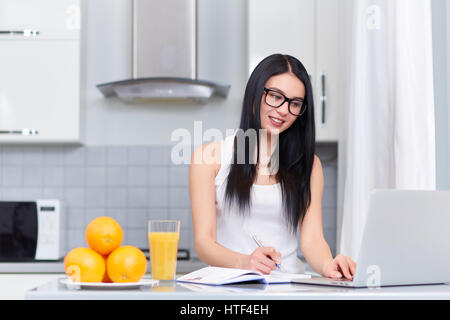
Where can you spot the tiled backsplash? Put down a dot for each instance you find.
(133, 184)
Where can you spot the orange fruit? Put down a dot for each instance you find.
(84, 265)
(104, 234)
(126, 264)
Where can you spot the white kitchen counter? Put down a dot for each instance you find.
(18, 277)
(14, 285)
(171, 290)
(46, 286)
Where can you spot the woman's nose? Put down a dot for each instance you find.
(284, 108)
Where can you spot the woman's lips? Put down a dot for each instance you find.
(275, 123)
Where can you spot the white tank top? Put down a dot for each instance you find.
(265, 218)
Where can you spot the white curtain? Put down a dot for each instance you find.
(387, 138)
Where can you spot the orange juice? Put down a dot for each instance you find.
(163, 254)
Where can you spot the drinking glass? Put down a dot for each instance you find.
(163, 236)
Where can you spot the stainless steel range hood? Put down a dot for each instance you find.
(164, 56)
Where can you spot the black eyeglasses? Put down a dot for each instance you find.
(276, 99)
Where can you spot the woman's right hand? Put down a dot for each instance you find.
(263, 259)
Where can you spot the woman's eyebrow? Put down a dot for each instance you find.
(281, 91)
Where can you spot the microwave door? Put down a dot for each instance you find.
(18, 230)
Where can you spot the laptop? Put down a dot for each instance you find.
(406, 241)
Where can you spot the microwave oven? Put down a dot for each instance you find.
(31, 230)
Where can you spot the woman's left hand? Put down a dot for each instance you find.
(340, 266)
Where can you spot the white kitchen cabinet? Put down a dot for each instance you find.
(54, 19)
(39, 73)
(307, 30)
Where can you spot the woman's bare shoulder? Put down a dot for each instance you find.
(208, 155)
(317, 171)
(317, 163)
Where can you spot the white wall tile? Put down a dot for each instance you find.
(137, 237)
(158, 197)
(95, 197)
(159, 155)
(117, 176)
(12, 156)
(75, 156)
(33, 176)
(33, 156)
(12, 176)
(179, 197)
(54, 156)
(158, 176)
(96, 155)
(137, 176)
(179, 175)
(75, 176)
(54, 176)
(138, 156)
(116, 197)
(75, 197)
(137, 217)
(96, 176)
(117, 155)
(137, 197)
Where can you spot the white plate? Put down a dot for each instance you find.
(104, 285)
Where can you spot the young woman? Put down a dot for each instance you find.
(250, 201)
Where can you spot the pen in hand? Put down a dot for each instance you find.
(259, 243)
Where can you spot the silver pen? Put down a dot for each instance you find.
(259, 243)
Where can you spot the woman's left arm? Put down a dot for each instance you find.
(312, 242)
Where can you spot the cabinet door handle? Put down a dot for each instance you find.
(25, 33)
(323, 97)
(23, 132)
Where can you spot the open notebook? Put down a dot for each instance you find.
(220, 276)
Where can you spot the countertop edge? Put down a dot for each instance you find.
(311, 293)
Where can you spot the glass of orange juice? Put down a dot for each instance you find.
(163, 236)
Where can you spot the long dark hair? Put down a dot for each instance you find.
(296, 144)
